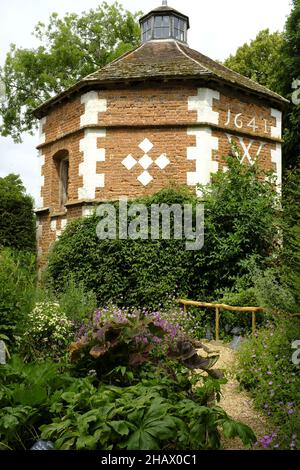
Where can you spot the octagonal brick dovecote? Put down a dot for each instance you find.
(160, 114)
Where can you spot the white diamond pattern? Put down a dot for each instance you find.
(162, 161)
(145, 161)
(145, 178)
(129, 162)
(146, 145)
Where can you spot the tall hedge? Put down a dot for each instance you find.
(17, 220)
(240, 223)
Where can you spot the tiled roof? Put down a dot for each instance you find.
(163, 59)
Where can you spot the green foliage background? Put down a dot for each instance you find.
(241, 222)
(17, 220)
(70, 48)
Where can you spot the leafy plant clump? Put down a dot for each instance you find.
(17, 291)
(266, 369)
(158, 412)
(48, 332)
(122, 338)
(25, 398)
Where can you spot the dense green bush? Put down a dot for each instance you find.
(17, 220)
(240, 223)
(17, 290)
(130, 272)
(266, 369)
(291, 247)
(75, 301)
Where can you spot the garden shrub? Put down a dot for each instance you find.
(75, 301)
(240, 223)
(17, 291)
(147, 416)
(25, 391)
(291, 232)
(48, 332)
(265, 368)
(17, 220)
(128, 272)
(120, 338)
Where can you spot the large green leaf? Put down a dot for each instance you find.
(142, 440)
(121, 427)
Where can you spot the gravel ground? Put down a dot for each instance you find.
(235, 401)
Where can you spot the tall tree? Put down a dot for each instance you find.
(70, 48)
(273, 60)
(259, 59)
(17, 220)
(289, 76)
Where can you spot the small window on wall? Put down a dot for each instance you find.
(63, 181)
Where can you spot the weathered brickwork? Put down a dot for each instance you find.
(133, 142)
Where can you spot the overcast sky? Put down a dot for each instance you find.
(218, 28)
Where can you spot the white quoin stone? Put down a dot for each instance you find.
(40, 199)
(93, 106)
(87, 169)
(276, 131)
(42, 135)
(39, 235)
(203, 104)
(87, 211)
(63, 224)
(202, 154)
(53, 225)
(276, 157)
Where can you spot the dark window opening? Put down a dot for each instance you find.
(63, 181)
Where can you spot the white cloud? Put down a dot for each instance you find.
(218, 28)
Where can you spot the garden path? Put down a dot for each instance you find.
(236, 402)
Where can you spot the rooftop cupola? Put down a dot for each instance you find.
(164, 23)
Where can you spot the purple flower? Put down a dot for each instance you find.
(290, 412)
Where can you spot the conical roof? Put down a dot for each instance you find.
(163, 59)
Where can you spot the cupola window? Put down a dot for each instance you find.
(179, 29)
(147, 30)
(161, 27)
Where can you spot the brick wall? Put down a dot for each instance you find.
(135, 141)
